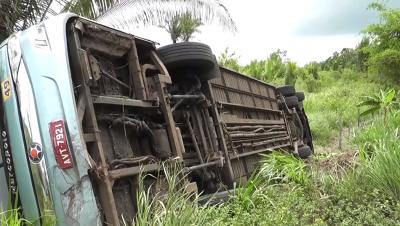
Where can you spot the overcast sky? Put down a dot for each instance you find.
(310, 30)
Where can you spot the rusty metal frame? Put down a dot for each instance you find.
(228, 175)
(102, 176)
(160, 81)
(103, 179)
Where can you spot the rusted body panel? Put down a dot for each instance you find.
(251, 117)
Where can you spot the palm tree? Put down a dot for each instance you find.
(17, 15)
(181, 18)
(182, 27)
(290, 73)
(20, 14)
(188, 26)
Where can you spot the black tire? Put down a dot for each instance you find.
(292, 102)
(187, 58)
(213, 73)
(300, 96)
(307, 132)
(304, 151)
(287, 91)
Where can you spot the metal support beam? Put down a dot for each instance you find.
(124, 101)
(228, 175)
(160, 82)
(136, 73)
(132, 171)
(96, 148)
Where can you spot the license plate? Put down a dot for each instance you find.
(60, 144)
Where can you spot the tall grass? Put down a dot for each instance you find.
(12, 218)
(278, 167)
(334, 104)
(383, 170)
(379, 147)
(167, 201)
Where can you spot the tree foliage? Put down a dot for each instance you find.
(126, 13)
(180, 18)
(290, 73)
(383, 101)
(271, 68)
(19, 14)
(182, 27)
(275, 67)
(351, 58)
(229, 60)
(384, 49)
(90, 8)
(378, 51)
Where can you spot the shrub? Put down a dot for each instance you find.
(312, 84)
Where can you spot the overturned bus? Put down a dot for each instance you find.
(85, 109)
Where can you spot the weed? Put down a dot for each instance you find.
(12, 218)
(283, 168)
(172, 205)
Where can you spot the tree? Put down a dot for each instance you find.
(19, 14)
(180, 18)
(312, 69)
(290, 73)
(90, 8)
(182, 27)
(229, 60)
(269, 69)
(188, 26)
(258, 69)
(384, 47)
(362, 54)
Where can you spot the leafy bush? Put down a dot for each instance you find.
(312, 84)
(384, 101)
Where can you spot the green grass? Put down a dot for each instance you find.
(12, 218)
(349, 187)
(285, 205)
(333, 104)
(278, 167)
(355, 186)
(379, 147)
(168, 206)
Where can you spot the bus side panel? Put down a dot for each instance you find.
(72, 192)
(19, 155)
